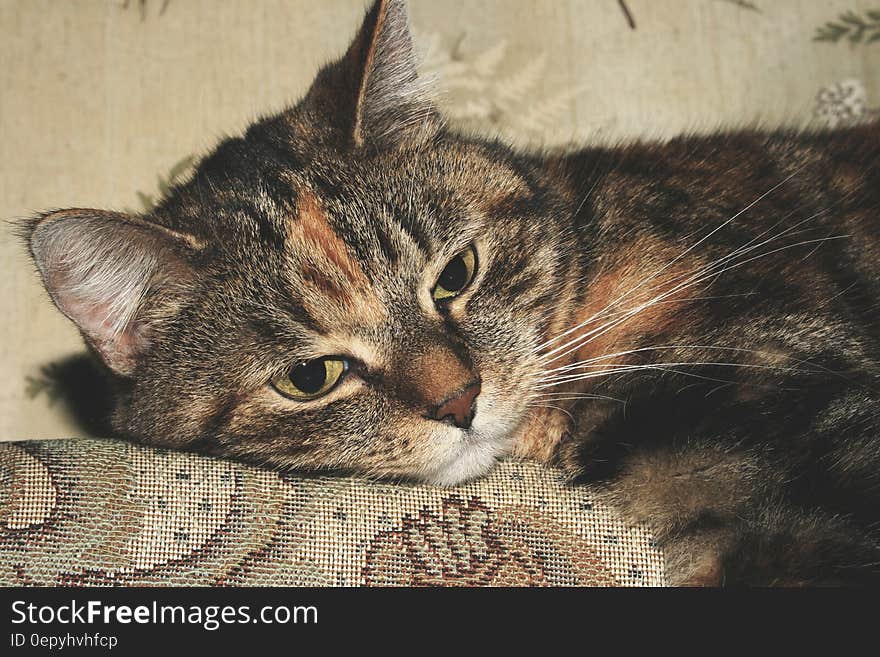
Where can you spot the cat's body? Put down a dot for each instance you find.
(695, 324)
(744, 272)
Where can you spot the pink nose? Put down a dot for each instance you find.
(458, 409)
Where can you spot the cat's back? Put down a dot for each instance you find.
(745, 228)
(716, 194)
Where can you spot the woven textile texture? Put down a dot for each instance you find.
(109, 102)
(93, 512)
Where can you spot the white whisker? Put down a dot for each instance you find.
(701, 275)
(586, 362)
(611, 369)
(674, 260)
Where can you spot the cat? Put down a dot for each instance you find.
(689, 326)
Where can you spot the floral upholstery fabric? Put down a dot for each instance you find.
(92, 512)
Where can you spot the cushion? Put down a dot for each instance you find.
(101, 512)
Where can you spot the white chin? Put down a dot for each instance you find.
(473, 457)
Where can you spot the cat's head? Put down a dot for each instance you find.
(348, 286)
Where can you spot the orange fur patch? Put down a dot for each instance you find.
(316, 231)
(628, 285)
(541, 434)
(330, 268)
(619, 287)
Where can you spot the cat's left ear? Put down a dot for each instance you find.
(374, 93)
(115, 276)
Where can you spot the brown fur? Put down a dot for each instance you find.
(436, 373)
(738, 272)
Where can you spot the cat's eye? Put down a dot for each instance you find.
(456, 276)
(311, 379)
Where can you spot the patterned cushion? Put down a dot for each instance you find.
(542, 73)
(96, 512)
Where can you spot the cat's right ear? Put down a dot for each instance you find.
(373, 96)
(112, 274)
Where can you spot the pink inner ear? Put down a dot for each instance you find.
(98, 314)
(119, 349)
(99, 268)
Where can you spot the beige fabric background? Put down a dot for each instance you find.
(98, 97)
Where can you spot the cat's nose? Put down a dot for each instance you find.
(458, 409)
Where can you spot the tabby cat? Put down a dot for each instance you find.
(692, 326)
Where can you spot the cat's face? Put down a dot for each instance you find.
(349, 286)
(408, 273)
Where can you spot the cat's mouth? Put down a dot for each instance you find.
(473, 452)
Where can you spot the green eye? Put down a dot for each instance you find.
(456, 276)
(311, 379)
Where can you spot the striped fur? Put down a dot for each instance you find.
(691, 325)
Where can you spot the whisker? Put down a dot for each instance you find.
(249, 302)
(586, 362)
(667, 370)
(559, 380)
(697, 278)
(557, 408)
(562, 396)
(677, 258)
(701, 274)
